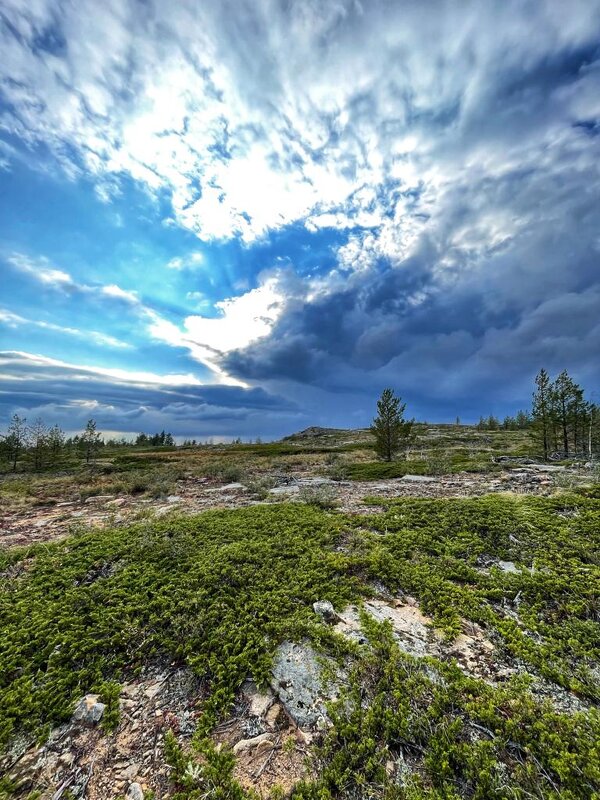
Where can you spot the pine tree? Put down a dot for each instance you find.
(90, 441)
(522, 420)
(38, 438)
(392, 432)
(56, 442)
(16, 438)
(542, 410)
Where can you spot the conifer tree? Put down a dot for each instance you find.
(90, 441)
(392, 432)
(542, 410)
(38, 438)
(16, 438)
(56, 442)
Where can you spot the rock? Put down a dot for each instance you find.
(135, 792)
(99, 498)
(507, 566)
(66, 758)
(297, 681)
(258, 743)
(155, 688)
(325, 610)
(229, 487)
(305, 737)
(89, 710)
(418, 478)
(173, 498)
(410, 626)
(260, 703)
(273, 715)
(292, 489)
(130, 772)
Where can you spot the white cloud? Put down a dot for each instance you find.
(192, 261)
(15, 320)
(241, 321)
(122, 294)
(261, 116)
(79, 372)
(40, 269)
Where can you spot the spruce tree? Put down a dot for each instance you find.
(391, 431)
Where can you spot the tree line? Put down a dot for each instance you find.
(46, 446)
(564, 422)
(521, 421)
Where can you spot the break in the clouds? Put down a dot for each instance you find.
(238, 217)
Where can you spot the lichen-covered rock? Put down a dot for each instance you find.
(297, 679)
(89, 710)
(135, 792)
(325, 610)
(410, 626)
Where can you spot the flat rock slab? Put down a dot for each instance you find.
(412, 629)
(297, 679)
(228, 487)
(290, 489)
(418, 478)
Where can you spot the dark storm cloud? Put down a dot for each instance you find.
(71, 395)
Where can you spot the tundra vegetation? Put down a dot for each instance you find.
(217, 593)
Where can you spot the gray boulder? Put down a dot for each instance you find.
(135, 792)
(325, 610)
(298, 682)
(89, 710)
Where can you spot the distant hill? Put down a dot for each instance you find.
(314, 432)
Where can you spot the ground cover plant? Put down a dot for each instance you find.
(220, 590)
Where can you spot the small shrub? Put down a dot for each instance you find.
(260, 486)
(320, 496)
(109, 694)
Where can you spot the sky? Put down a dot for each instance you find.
(246, 217)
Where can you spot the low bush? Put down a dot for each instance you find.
(219, 591)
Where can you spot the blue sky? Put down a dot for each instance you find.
(243, 218)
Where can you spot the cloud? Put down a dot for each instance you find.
(240, 321)
(452, 149)
(264, 114)
(131, 401)
(105, 340)
(41, 270)
(122, 294)
(192, 261)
